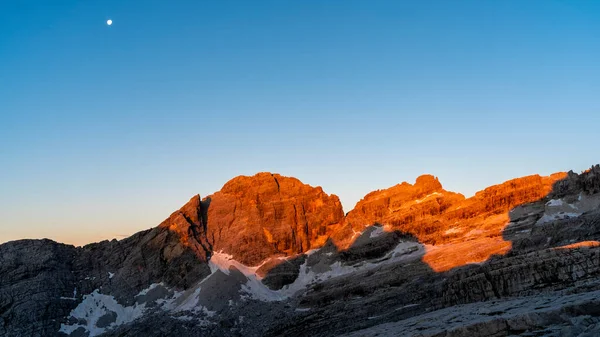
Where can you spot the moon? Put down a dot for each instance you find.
(109, 22)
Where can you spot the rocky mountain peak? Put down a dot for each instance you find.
(262, 182)
(587, 182)
(402, 202)
(428, 183)
(255, 217)
(190, 225)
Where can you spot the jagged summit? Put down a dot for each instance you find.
(428, 183)
(255, 217)
(190, 224)
(424, 184)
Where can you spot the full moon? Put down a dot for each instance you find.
(109, 22)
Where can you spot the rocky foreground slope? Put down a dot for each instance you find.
(270, 256)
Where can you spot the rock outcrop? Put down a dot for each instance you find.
(397, 206)
(41, 281)
(35, 280)
(588, 182)
(254, 218)
(460, 230)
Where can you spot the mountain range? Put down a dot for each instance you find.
(268, 255)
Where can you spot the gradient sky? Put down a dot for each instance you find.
(104, 131)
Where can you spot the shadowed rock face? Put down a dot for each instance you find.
(573, 183)
(190, 225)
(41, 281)
(277, 273)
(253, 218)
(34, 274)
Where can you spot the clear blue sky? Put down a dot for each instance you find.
(105, 131)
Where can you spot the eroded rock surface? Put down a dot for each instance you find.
(459, 230)
(254, 218)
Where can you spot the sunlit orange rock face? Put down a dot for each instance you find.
(188, 224)
(400, 204)
(265, 215)
(253, 218)
(580, 245)
(456, 230)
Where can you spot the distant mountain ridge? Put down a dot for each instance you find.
(271, 246)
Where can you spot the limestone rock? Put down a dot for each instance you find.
(277, 272)
(254, 218)
(446, 219)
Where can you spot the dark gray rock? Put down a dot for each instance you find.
(41, 281)
(281, 272)
(36, 287)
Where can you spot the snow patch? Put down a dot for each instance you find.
(202, 322)
(418, 201)
(253, 288)
(222, 261)
(554, 203)
(312, 251)
(110, 275)
(377, 231)
(96, 305)
(190, 303)
(145, 291)
(407, 306)
(558, 216)
(453, 230)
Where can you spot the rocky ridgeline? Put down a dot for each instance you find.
(588, 182)
(402, 253)
(547, 284)
(41, 281)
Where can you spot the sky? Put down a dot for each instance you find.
(106, 130)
